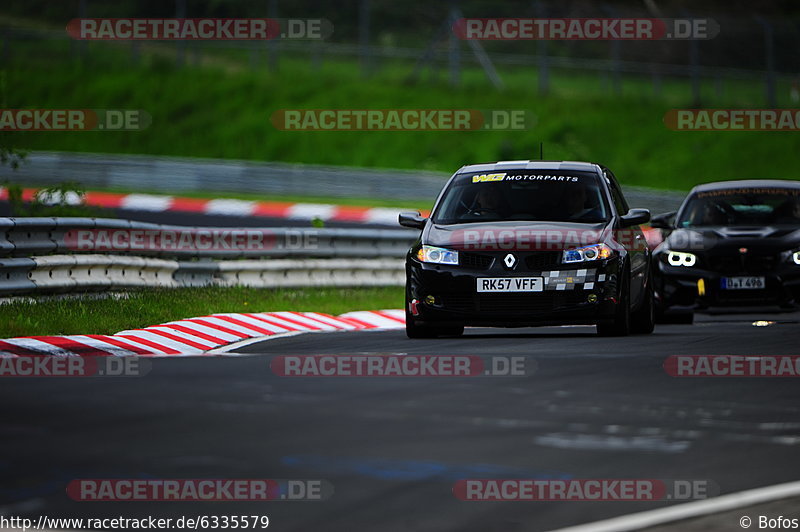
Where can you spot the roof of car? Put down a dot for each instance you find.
(530, 165)
(747, 183)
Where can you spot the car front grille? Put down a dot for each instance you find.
(540, 260)
(475, 261)
(744, 263)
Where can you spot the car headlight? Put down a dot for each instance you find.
(681, 258)
(595, 252)
(796, 257)
(436, 255)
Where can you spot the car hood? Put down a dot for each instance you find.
(721, 239)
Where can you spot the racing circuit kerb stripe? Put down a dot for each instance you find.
(230, 207)
(198, 336)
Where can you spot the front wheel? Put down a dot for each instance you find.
(644, 320)
(620, 324)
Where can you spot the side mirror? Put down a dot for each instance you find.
(412, 220)
(662, 221)
(635, 217)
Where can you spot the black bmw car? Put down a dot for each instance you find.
(732, 243)
(526, 243)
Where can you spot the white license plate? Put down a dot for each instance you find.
(742, 283)
(510, 284)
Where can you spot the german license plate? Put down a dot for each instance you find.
(743, 283)
(510, 284)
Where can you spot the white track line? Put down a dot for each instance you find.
(236, 345)
(715, 505)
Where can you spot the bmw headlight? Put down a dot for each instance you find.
(595, 252)
(796, 257)
(681, 258)
(436, 255)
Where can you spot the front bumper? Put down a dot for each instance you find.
(678, 286)
(572, 294)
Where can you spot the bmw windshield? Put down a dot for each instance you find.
(524, 195)
(742, 207)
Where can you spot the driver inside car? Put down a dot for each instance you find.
(489, 202)
(575, 202)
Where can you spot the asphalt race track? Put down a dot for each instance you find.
(393, 447)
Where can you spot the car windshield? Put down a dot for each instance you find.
(529, 195)
(742, 206)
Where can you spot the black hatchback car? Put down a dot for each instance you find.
(731, 243)
(527, 243)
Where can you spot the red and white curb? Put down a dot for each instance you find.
(200, 336)
(231, 207)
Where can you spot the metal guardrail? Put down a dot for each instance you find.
(23, 237)
(66, 273)
(56, 274)
(15, 276)
(43, 255)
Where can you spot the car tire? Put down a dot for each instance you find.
(620, 324)
(643, 321)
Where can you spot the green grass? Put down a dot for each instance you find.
(222, 109)
(140, 309)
